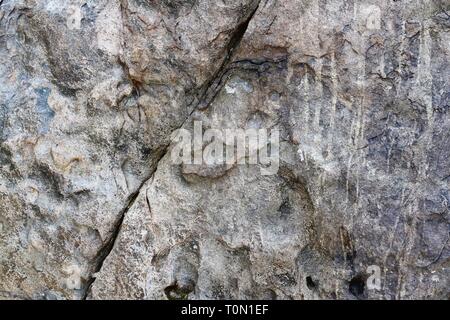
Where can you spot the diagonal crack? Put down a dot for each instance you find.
(204, 97)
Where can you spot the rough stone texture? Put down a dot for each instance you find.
(92, 207)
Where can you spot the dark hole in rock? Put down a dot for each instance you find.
(285, 208)
(356, 286)
(310, 283)
(175, 292)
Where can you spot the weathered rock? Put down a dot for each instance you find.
(92, 205)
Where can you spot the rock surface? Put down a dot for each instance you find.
(92, 207)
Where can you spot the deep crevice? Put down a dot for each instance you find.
(234, 42)
(212, 87)
(105, 251)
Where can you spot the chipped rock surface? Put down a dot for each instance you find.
(93, 207)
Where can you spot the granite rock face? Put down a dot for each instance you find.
(92, 205)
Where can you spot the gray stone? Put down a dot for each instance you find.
(92, 206)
